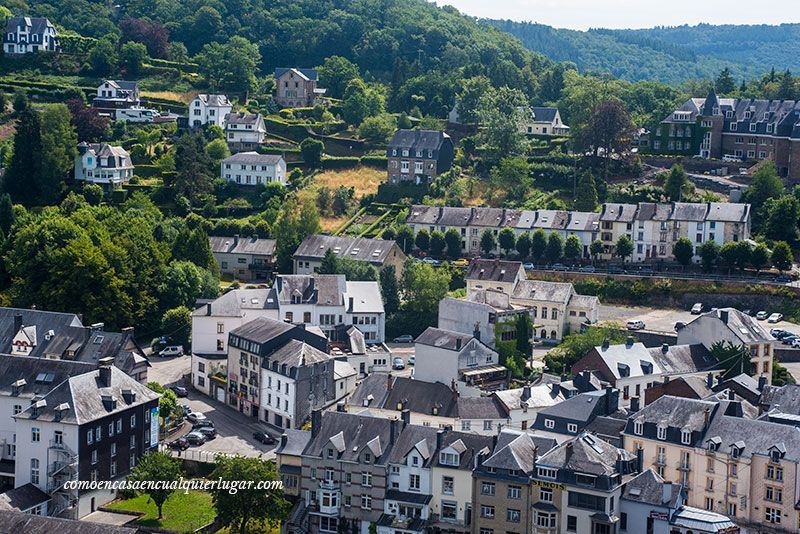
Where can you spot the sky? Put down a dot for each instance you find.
(584, 14)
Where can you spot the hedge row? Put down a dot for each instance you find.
(76, 44)
(67, 93)
(147, 171)
(185, 67)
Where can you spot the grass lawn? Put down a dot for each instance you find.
(182, 512)
(364, 179)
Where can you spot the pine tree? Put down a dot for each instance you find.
(586, 199)
(725, 83)
(26, 160)
(329, 263)
(7, 216)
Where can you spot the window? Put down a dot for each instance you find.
(487, 531)
(487, 425)
(35, 435)
(449, 510)
(512, 516)
(366, 502)
(772, 515)
(774, 472)
(328, 524)
(448, 458)
(110, 429)
(413, 482)
(572, 428)
(709, 503)
(448, 485)
(637, 428)
(545, 519)
(35, 471)
(774, 494)
(546, 472)
(113, 468)
(94, 456)
(549, 423)
(487, 488)
(17, 409)
(545, 495)
(686, 436)
(119, 426)
(366, 478)
(113, 449)
(572, 523)
(587, 501)
(514, 492)
(133, 421)
(662, 432)
(487, 511)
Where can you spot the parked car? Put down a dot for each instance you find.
(405, 338)
(195, 437)
(180, 444)
(180, 391)
(528, 266)
(616, 269)
(559, 267)
(762, 315)
(264, 438)
(776, 332)
(397, 363)
(788, 340)
(697, 309)
(795, 343)
(431, 261)
(171, 351)
(587, 269)
(205, 423)
(208, 431)
(775, 318)
(196, 417)
(186, 409)
(635, 325)
(460, 262)
(412, 360)
(679, 325)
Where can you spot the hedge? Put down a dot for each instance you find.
(185, 67)
(147, 171)
(374, 161)
(343, 162)
(76, 44)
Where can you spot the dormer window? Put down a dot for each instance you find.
(546, 472)
(728, 114)
(367, 458)
(638, 427)
(661, 432)
(686, 436)
(753, 126)
(449, 458)
(330, 453)
(734, 126)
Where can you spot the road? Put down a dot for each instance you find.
(234, 429)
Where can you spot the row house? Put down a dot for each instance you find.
(376, 252)
(244, 258)
(729, 464)
(418, 156)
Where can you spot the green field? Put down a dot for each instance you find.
(182, 512)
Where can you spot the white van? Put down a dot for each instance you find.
(136, 115)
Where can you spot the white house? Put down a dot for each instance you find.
(244, 131)
(544, 121)
(522, 404)
(26, 35)
(209, 109)
(103, 164)
(252, 168)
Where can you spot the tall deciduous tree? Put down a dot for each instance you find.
(405, 238)
(89, 124)
(683, 251)
(506, 240)
(153, 467)
(423, 240)
(501, 112)
(151, 34)
(782, 256)
(335, 73)
(231, 65)
(725, 84)
(624, 247)
(193, 167)
(555, 247)
(389, 289)
(453, 240)
(709, 252)
(608, 130)
(523, 245)
(488, 242)
(759, 258)
(472, 90)
(586, 198)
(437, 243)
(675, 182)
(538, 244)
(573, 248)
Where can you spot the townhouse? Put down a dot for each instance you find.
(729, 464)
(252, 168)
(209, 109)
(731, 326)
(523, 404)
(563, 420)
(244, 131)
(103, 164)
(418, 156)
(244, 258)
(740, 128)
(297, 88)
(485, 313)
(376, 252)
(26, 35)
(653, 228)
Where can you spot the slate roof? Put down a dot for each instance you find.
(618, 212)
(648, 487)
(649, 211)
(243, 245)
(352, 433)
(17, 522)
(117, 157)
(421, 214)
(457, 217)
(307, 74)
(83, 397)
(607, 428)
(686, 211)
(23, 498)
(677, 412)
(551, 220)
(423, 438)
(236, 302)
(374, 251)
(758, 436)
(786, 398)
(125, 85)
(581, 407)
(514, 451)
(421, 397)
(37, 25)
(481, 408)
(540, 397)
(586, 454)
(747, 329)
(296, 354)
(319, 289)
(583, 301)
(541, 291)
(583, 221)
(253, 158)
(675, 359)
(371, 391)
(443, 339)
(418, 139)
(366, 297)
(214, 100)
(469, 444)
(296, 442)
(487, 217)
(544, 114)
(629, 360)
(253, 119)
(262, 329)
(494, 270)
(728, 212)
(526, 219)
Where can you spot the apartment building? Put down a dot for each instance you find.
(731, 326)
(485, 313)
(729, 464)
(747, 129)
(418, 156)
(523, 404)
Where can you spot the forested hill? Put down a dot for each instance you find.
(666, 54)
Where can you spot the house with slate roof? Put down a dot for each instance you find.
(25, 35)
(209, 109)
(297, 88)
(377, 252)
(103, 164)
(244, 131)
(544, 121)
(419, 156)
(252, 168)
(244, 258)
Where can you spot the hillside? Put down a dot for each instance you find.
(666, 54)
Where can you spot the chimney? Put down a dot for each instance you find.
(719, 379)
(458, 343)
(634, 404)
(284, 440)
(666, 380)
(440, 438)
(340, 407)
(639, 460)
(605, 344)
(389, 382)
(731, 395)
(723, 314)
(17, 322)
(564, 377)
(526, 392)
(235, 239)
(405, 415)
(762, 382)
(350, 302)
(476, 332)
(208, 308)
(454, 390)
(665, 348)
(612, 400)
(629, 342)
(394, 430)
(706, 416)
(666, 492)
(108, 402)
(710, 380)
(104, 368)
(316, 422)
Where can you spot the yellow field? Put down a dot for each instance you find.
(364, 179)
(172, 95)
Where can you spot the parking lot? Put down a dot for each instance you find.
(234, 429)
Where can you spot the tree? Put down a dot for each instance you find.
(157, 466)
(764, 185)
(184, 282)
(709, 252)
(523, 245)
(151, 34)
(376, 130)
(423, 240)
(786, 90)
(103, 57)
(452, 239)
(675, 182)
(231, 65)
(725, 84)
(524, 333)
(437, 243)
(405, 238)
(596, 248)
(20, 101)
(249, 505)
(7, 215)
(555, 248)
(586, 198)
(512, 176)
(759, 258)
(93, 193)
(468, 101)
(335, 73)
(360, 101)
(389, 289)
(608, 130)
(89, 124)
(683, 251)
(744, 253)
(573, 248)
(624, 247)
(538, 244)
(728, 255)
(506, 240)
(782, 257)
(59, 150)
(193, 176)
(311, 149)
(732, 359)
(501, 113)
(26, 160)
(575, 346)
(132, 56)
(177, 52)
(217, 150)
(488, 242)
(176, 324)
(295, 222)
(328, 265)
(423, 288)
(782, 217)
